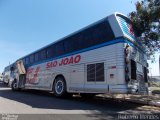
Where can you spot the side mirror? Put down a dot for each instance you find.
(147, 65)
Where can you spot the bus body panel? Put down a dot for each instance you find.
(75, 73)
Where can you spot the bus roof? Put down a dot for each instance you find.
(74, 33)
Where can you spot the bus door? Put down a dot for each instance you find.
(95, 77)
(77, 76)
(21, 74)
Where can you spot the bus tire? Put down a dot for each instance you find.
(59, 87)
(14, 85)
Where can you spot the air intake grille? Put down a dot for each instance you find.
(95, 72)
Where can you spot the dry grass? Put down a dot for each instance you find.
(155, 90)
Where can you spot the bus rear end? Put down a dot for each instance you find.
(138, 71)
(135, 60)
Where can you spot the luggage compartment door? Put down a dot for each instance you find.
(77, 77)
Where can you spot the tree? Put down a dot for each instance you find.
(146, 21)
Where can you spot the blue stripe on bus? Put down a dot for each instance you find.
(126, 32)
(125, 28)
(84, 50)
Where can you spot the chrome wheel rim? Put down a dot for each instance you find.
(59, 87)
(15, 85)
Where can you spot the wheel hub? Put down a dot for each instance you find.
(59, 87)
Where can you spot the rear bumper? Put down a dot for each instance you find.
(126, 89)
(119, 89)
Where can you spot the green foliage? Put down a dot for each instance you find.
(146, 20)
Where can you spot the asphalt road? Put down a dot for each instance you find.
(42, 105)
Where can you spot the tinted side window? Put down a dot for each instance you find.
(27, 60)
(24, 61)
(79, 42)
(59, 48)
(94, 35)
(87, 37)
(31, 58)
(98, 34)
(42, 54)
(51, 51)
(36, 56)
(69, 45)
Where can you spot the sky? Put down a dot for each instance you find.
(27, 25)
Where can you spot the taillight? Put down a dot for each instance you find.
(127, 50)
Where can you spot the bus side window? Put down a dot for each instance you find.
(78, 41)
(42, 54)
(24, 61)
(69, 45)
(133, 70)
(31, 58)
(51, 51)
(59, 48)
(27, 60)
(36, 57)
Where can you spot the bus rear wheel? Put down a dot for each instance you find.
(59, 87)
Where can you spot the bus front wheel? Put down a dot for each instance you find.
(59, 87)
(14, 85)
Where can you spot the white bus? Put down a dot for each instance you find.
(6, 75)
(1, 77)
(104, 57)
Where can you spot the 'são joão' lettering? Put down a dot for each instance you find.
(64, 61)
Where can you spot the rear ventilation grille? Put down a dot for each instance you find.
(95, 72)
